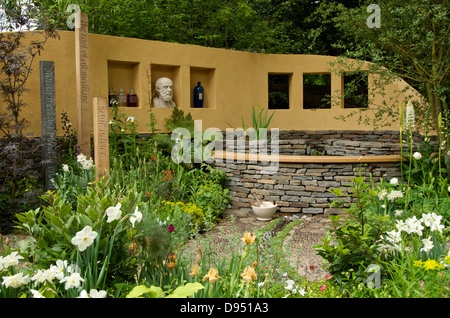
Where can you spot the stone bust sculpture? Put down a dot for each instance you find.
(163, 87)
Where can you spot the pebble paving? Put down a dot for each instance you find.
(297, 245)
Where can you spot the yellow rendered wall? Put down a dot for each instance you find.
(234, 82)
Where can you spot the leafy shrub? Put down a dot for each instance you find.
(212, 199)
(184, 214)
(352, 246)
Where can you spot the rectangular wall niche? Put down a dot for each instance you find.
(207, 79)
(279, 91)
(356, 90)
(317, 91)
(125, 75)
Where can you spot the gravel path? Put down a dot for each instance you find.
(298, 243)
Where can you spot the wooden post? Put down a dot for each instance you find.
(82, 79)
(101, 137)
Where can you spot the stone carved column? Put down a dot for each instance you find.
(48, 121)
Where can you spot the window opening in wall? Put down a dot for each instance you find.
(317, 91)
(356, 90)
(279, 91)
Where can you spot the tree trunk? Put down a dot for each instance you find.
(434, 104)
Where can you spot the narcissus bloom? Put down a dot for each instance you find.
(10, 260)
(84, 238)
(15, 281)
(248, 238)
(394, 194)
(93, 293)
(74, 280)
(114, 213)
(87, 164)
(137, 216)
(212, 275)
(427, 245)
(81, 158)
(36, 293)
(394, 181)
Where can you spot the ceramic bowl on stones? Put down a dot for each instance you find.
(265, 211)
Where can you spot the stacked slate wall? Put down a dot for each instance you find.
(304, 187)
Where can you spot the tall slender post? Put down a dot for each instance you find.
(101, 137)
(82, 79)
(48, 120)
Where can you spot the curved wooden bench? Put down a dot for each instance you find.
(306, 159)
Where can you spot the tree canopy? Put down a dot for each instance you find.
(412, 42)
(271, 26)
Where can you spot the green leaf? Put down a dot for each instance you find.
(186, 290)
(335, 218)
(153, 291)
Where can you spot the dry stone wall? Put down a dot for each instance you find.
(297, 187)
(304, 187)
(340, 143)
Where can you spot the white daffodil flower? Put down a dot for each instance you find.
(60, 268)
(11, 260)
(87, 164)
(16, 281)
(394, 194)
(290, 284)
(394, 181)
(114, 213)
(74, 280)
(427, 245)
(84, 238)
(94, 293)
(436, 226)
(81, 158)
(36, 294)
(137, 216)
